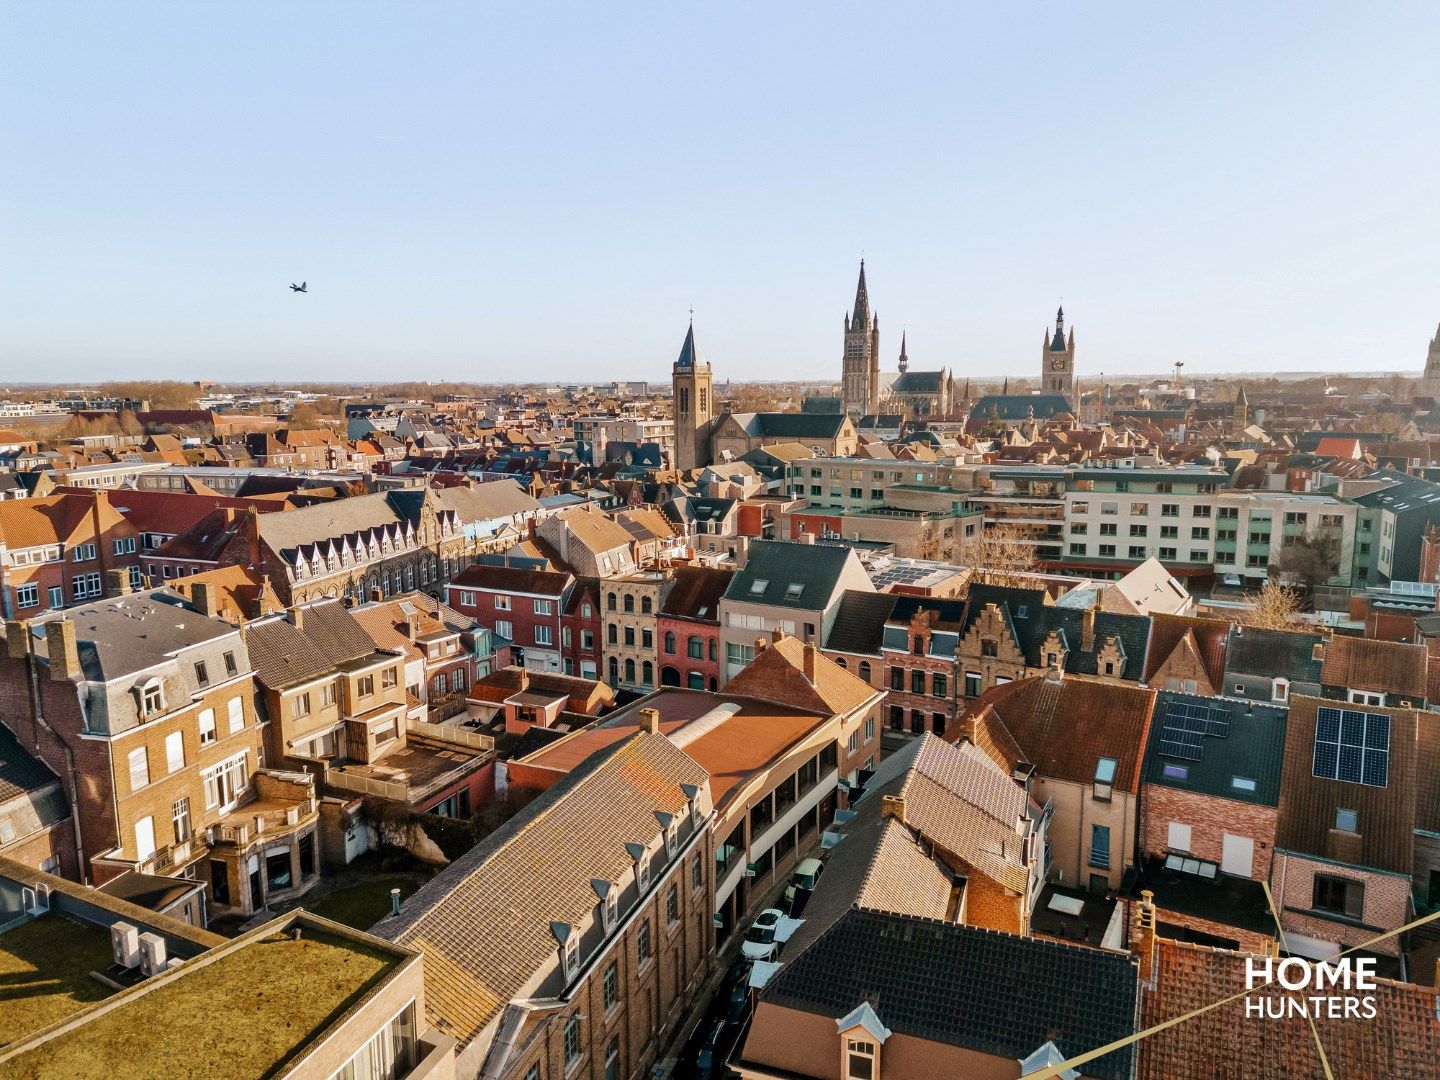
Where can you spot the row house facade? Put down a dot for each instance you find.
(56, 551)
(631, 620)
(146, 710)
(688, 628)
(524, 606)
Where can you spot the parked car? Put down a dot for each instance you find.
(759, 943)
(705, 1063)
(737, 1002)
(804, 876)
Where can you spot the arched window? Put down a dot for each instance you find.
(840, 661)
(629, 671)
(647, 673)
(695, 648)
(614, 670)
(864, 670)
(610, 633)
(645, 605)
(670, 642)
(629, 603)
(610, 601)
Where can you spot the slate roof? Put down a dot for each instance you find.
(286, 656)
(1018, 406)
(131, 633)
(1387, 667)
(918, 382)
(485, 502)
(1253, 746)
(512, 579)
(696, 593)
(1032, 621)
(20, 773)
(1270, 654)
(988, 991)
(782, 563)
(791, 425)
(483, 923)
(860, 622)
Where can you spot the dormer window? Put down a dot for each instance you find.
(1280, 691)
(152, 699)
(859, 1059)
(692, 793)
(568, 937)
(671, 826)
(642, 865)
(1105, 770)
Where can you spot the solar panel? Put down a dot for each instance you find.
(1185, 726)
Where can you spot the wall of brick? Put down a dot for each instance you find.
(1209, 818)
(1387, 901)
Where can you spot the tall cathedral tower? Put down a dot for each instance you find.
(690, 379)
(1430, 381)
(860, 369)
(1057, 360)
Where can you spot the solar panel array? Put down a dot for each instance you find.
(1353, 746)
(1187, 724)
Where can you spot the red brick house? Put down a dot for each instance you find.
(521, 605)
(580, 630)
(688, 628)
(55, 551)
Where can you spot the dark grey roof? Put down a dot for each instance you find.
(149, 890)
(285, 656)
(1406, 493)
(779, 564)
(20, 773)
(860, 621)
(1270, 654)
(1032, 622)
(1243, 739)
(131, 633)
(919, 382)
(792, 425)
(1018, 406)
(992, 992)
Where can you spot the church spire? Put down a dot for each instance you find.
(904, 359)
(689, 352)
(860, 315)
(1057, 343)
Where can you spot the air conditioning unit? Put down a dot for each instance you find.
(125, 944)
(152, 954)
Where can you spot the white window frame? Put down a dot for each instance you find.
(174, 751)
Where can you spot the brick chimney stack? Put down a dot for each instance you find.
(17, 638)
(650, 720)
(810, 662)
(297, 618)
(893, 806)
(1143, 936)
(117, 583)
(203, 596)
(63, 649)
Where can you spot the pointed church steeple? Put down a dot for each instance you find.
(904, 359)
(1057, 343)
(860, 314)
(689, 352)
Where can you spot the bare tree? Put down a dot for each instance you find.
(1311, 560)
(998, 555)
(1274, 607)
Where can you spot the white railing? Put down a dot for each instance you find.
(451, 733)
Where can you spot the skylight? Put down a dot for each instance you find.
(758, 586)
(793, 591)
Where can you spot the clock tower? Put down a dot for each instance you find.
(1057, 360)
(691, 381)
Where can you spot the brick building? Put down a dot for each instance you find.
(56, 551)
(688, 628)
(525, 606)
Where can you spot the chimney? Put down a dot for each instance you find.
(252, 535)
(1142, 935)
(63, 650)
(810, 662)
(203, 596)
(776, 635)
(760, 644)
(117, 583)
(412, 626)
(1317, 652)
(376, 595)
(297, 617)
(893, 806)
(650, 720)
(394, 901)
(1054, 673)
(1087, 629)
(524, 681)
(17, 638)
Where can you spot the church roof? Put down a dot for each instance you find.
(861, 312)
(689, 352)
(919, 382)
(1018, 406)
(791, 425)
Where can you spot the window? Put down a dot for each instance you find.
(388, 678)
(1365, 697)
(572, 1041)
(1169, 509)
(694, 647)
(1105, 777)
(989, 647)
(1175, 772)
(1107, 551)
(612, 634)
(1347, 820)
(1242, 783)
(1178, 838)
(897, 679)
(1169, 532)
(145, 838)
(544, 635)
(544, 607)
(629, 635)
(859, 1060)
(124, 546)
(1200, 532)
(202, 675)
(864, 670)
(174, 752)
(627, 602)
(27, 595)
(1338, 895)
(647, 638)
(1352, 746)
(1100, 846)
(917, 682)
(939, 685)
(152, 700)
(207, 726)
(869, 729)
(224, 783)
(301, 705)
(854, 744)
(1108, 528)
(236, 710)
(84, 552)
(761, 814)
(57, 596)
(365, 686)
(670, 642)
(1137, 551)
(502, 603)
(139, 760)
(642, 944)
(612, 986)
(973, 683)
(230, 667)
(672, 904)
(697, 874)
(327, 695)
(1139, 530)
(180, 819)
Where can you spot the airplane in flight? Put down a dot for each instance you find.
(304, 286)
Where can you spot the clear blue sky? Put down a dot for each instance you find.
(540, 191)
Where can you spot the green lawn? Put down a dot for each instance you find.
(45, 970)
(364, 904)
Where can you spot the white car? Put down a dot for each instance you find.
(760, 943)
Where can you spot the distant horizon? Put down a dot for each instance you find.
(483, 193)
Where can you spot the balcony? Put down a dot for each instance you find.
(263, 817)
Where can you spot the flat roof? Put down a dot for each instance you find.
(45, 967)
(732, 752)
(255, 1007)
